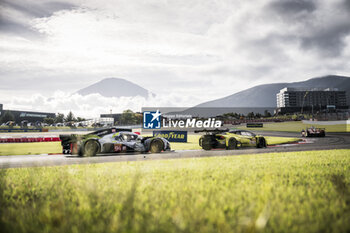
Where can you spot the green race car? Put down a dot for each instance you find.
(230, 139)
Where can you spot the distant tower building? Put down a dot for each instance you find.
(294, 100)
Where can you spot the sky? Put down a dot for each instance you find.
(185, 51)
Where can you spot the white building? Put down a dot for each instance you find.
(299, 99)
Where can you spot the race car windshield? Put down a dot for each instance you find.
(235, 132)
(245, 133)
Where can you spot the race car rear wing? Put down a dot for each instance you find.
(103, 132)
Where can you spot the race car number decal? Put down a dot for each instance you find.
(117, 147)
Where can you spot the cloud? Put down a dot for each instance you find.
(35, 9)
(200, 50)
(347, 4)
(317, 25)
(92, 105)
(16, 15)
(293, 7)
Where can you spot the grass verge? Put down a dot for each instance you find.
(276, 192)
(30, 148)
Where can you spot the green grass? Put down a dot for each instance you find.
(30, 148)
(285, 192)
(191, 144)
(297, 126)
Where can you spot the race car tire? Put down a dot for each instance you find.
(207, 142)
(206, 146)
(261, 143)
(232, 144)
(91, 148)
(156, 146)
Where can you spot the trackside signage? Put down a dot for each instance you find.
(172, 136)
(255, 125)
(151, 119)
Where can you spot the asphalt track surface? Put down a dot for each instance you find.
(331, 141)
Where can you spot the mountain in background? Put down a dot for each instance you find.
(115, 87)
(265, 95)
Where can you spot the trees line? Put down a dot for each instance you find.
(60, 118)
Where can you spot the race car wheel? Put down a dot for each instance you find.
(232, 144)
(156, 146)
(91, 148)
(206, 146)
(207, 142)
(261, 143)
